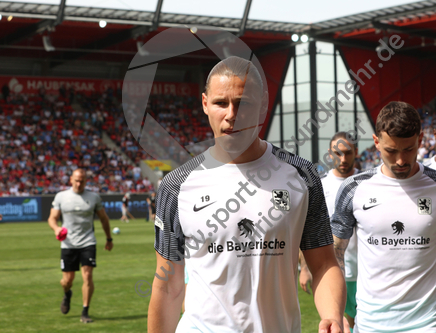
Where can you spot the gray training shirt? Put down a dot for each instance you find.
(78, 216)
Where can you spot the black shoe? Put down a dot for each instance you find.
(65, 305)
(85, 319)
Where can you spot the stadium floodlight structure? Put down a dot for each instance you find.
(385, 40)
(48, 46)
(141, 49)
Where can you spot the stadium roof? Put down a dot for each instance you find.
(75, 33)
(137, 17)
(414, 22)
(389, 15)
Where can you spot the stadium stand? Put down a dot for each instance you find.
(181, 117)
(44, 137)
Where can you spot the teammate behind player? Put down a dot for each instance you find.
(344, 154)
(77, 207)
(232, 289)
(391, 208)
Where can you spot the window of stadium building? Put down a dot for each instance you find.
(294, 109)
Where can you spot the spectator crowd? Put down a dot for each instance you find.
(45, 137)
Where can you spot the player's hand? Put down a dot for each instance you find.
(306, 280)
(109, 246)
(333, 326)
(346, 325)
(57, 231)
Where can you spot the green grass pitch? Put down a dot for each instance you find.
(31, 294)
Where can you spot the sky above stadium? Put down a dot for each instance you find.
(297, 11)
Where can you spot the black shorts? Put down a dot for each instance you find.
(72, 258)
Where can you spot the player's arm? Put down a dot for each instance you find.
(305, 274)
(167, 296)
(104, 219)
(340, 246)
(328, 287)
(55, 215)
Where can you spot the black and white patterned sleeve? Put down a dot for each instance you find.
(343, 220)
(169, 239)
(431, 173)
(317, 231)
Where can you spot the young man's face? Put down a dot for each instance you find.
(346, 156)
(398, 154)
(78, 181)
(233, 110)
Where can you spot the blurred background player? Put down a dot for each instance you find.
(152, 205)
(147, 208)
(125, 208)
(431, 163)
(77, 207)
(390, 207)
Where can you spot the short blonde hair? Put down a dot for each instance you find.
(235, 66)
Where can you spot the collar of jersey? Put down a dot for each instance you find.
(249, 165)
(356, 171)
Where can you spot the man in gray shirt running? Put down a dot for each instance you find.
(78, 206)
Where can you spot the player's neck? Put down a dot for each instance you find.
(252, 153)
(336, 173)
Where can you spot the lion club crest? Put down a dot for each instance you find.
(281, 199)
(246, 227)
(398, 227)
(424, 206)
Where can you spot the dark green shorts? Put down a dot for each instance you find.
(350, 308)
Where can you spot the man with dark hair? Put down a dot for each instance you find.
(77, 207)
(390, 207)
(233, 215)
(343, 153)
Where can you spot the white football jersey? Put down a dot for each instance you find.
(431, 163)
(396, 230)
(330, 185)
(240, 227)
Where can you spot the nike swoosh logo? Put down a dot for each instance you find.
(366, 208)
(200, 208)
